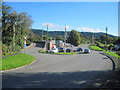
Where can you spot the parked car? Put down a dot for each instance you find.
(79, 49)
(74, 50)
(72, 46)
(68, 50)
(54, 50)
(86, 51)
(61, 49)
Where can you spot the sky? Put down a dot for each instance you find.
(81, 16)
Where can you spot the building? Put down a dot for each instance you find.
(59, 43)
(44, 45)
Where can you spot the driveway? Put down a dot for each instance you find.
(61, 71)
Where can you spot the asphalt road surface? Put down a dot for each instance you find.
(61, 71)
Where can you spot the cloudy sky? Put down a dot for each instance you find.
(81, 16)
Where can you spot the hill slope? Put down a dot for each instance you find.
(61, 33)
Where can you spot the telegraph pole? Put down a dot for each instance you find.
(106, 38)
(42, 34)
(65, 39)
(13, 37)
(47, 39)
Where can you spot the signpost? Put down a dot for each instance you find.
(25, 38)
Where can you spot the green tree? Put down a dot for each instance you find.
(59, 38)
(14, 27)
(44, 37)
(74, 38)
(103, 39)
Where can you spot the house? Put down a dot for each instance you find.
(59, 43)
(44, 45)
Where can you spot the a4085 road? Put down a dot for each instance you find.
(61, 71)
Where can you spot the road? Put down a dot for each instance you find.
(61, 71)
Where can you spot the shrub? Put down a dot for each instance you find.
(4, 49)
(17, 48)
(10, 48)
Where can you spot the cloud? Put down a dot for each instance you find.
(50, 25)
(79, 28)
(56, 27)
(89, 29)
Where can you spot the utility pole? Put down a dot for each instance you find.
(106, 38)
(65, 39)
(47, 39)
(13, 37)
(42, 34)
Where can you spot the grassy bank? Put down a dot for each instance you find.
(16, 61)
(113, 54)
(100, 49)
(96, 48)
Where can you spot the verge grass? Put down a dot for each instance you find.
(61, 53)
(96, 48)
(66, 53)
(100, 49)
(113, 54)
(42, 51)
(16, 61)
(9, 54)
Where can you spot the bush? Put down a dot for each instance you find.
(17, 48)
(10, 48)
(4, 49)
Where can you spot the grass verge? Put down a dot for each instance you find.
(9, 54)
(66, 53)
(43, 51)
(16, 61)
(100, 49)
(96, 48)
(113, 54)
(61, 53)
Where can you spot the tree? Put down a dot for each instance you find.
(59, 38)
(109, 39)
(74, 38)
(103, 39)
(14, 27)
(44, 37)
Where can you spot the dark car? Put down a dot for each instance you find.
(68, 50)
(61, 49)
(79, 49)
(86, 51)
(74, 50)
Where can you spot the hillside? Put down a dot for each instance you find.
(61, 33)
